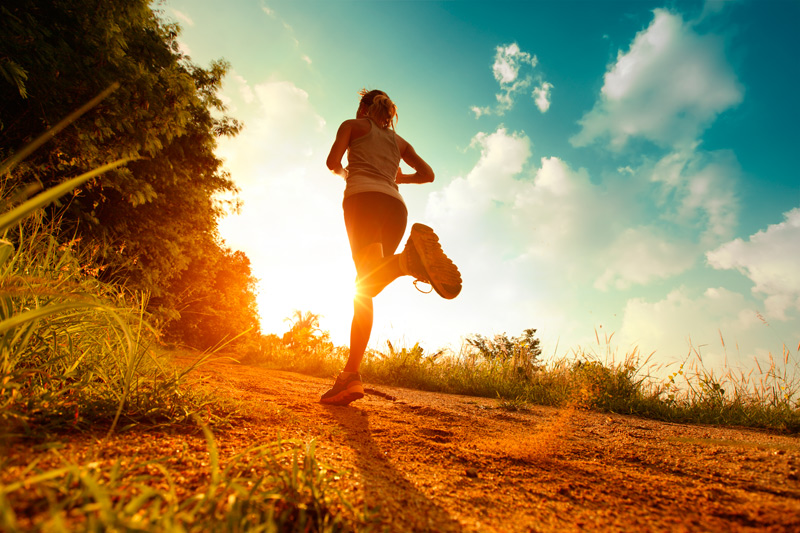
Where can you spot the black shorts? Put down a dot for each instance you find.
(372, 217)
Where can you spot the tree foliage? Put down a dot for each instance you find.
(157, 217)
(524, 349)
(216, 299)
(305, 336)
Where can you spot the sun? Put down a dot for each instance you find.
(284, 287)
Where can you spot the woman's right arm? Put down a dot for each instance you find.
(338, 149)
(423, 171)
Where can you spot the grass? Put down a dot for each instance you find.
(513, 404)
(78, 354)
(280, 486)
(68, 343)
(762, 397)
(595, 378)
(75, 352)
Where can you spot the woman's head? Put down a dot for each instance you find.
(378, 106)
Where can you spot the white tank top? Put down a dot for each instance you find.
(372, 162)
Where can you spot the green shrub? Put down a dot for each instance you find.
(73, 350)
(303, 348)
(511, 370)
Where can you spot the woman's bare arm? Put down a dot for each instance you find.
(338, 149)
(423, 171)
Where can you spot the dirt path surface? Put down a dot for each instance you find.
(436, 462)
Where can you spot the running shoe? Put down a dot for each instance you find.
(428, 263)
(346, 389)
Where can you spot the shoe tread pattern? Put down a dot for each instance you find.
(439, 270)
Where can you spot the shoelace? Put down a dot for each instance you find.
(430, 290)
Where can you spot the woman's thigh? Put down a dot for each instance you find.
(373, 217)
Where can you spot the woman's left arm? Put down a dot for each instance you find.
(424, 172)
(338, 149)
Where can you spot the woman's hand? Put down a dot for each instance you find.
(340, 171)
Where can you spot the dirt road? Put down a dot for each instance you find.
(436, 462)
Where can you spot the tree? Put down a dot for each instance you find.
(305, 336)
(522, 351)
(153, 219)
(215, 300)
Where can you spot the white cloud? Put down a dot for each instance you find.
(698, 191)
(597, 234)
(675, 210)
(513, 69)
(560, 217)
(667, 88)
(464, 205)
(719, 323)
(480, 111)
(289, 31)
(183, 17)
(285, 113)
(586, 232)
(541, 95)
(771, 259)
(507, 63)
(281, 130)
(245, 91)
(640, 255)
(557, 235)
(505, 98)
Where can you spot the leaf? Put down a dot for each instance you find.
(15, 159)
(12, 217)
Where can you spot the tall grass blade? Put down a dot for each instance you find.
(42, 312)
(15, 159)
(12, 217)
(6, 251)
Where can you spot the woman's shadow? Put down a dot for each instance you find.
(401, 506)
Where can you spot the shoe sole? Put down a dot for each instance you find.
(443, 274)
(354, 391)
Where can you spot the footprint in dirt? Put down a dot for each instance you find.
(437, 435)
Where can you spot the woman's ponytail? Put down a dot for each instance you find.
(379, 107)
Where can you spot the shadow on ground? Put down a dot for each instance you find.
(381, 478)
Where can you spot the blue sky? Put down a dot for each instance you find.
(611, 167)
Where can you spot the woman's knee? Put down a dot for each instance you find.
(367, 289)
(362, 303)
(368, 262)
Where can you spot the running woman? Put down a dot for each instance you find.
(375, 217)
